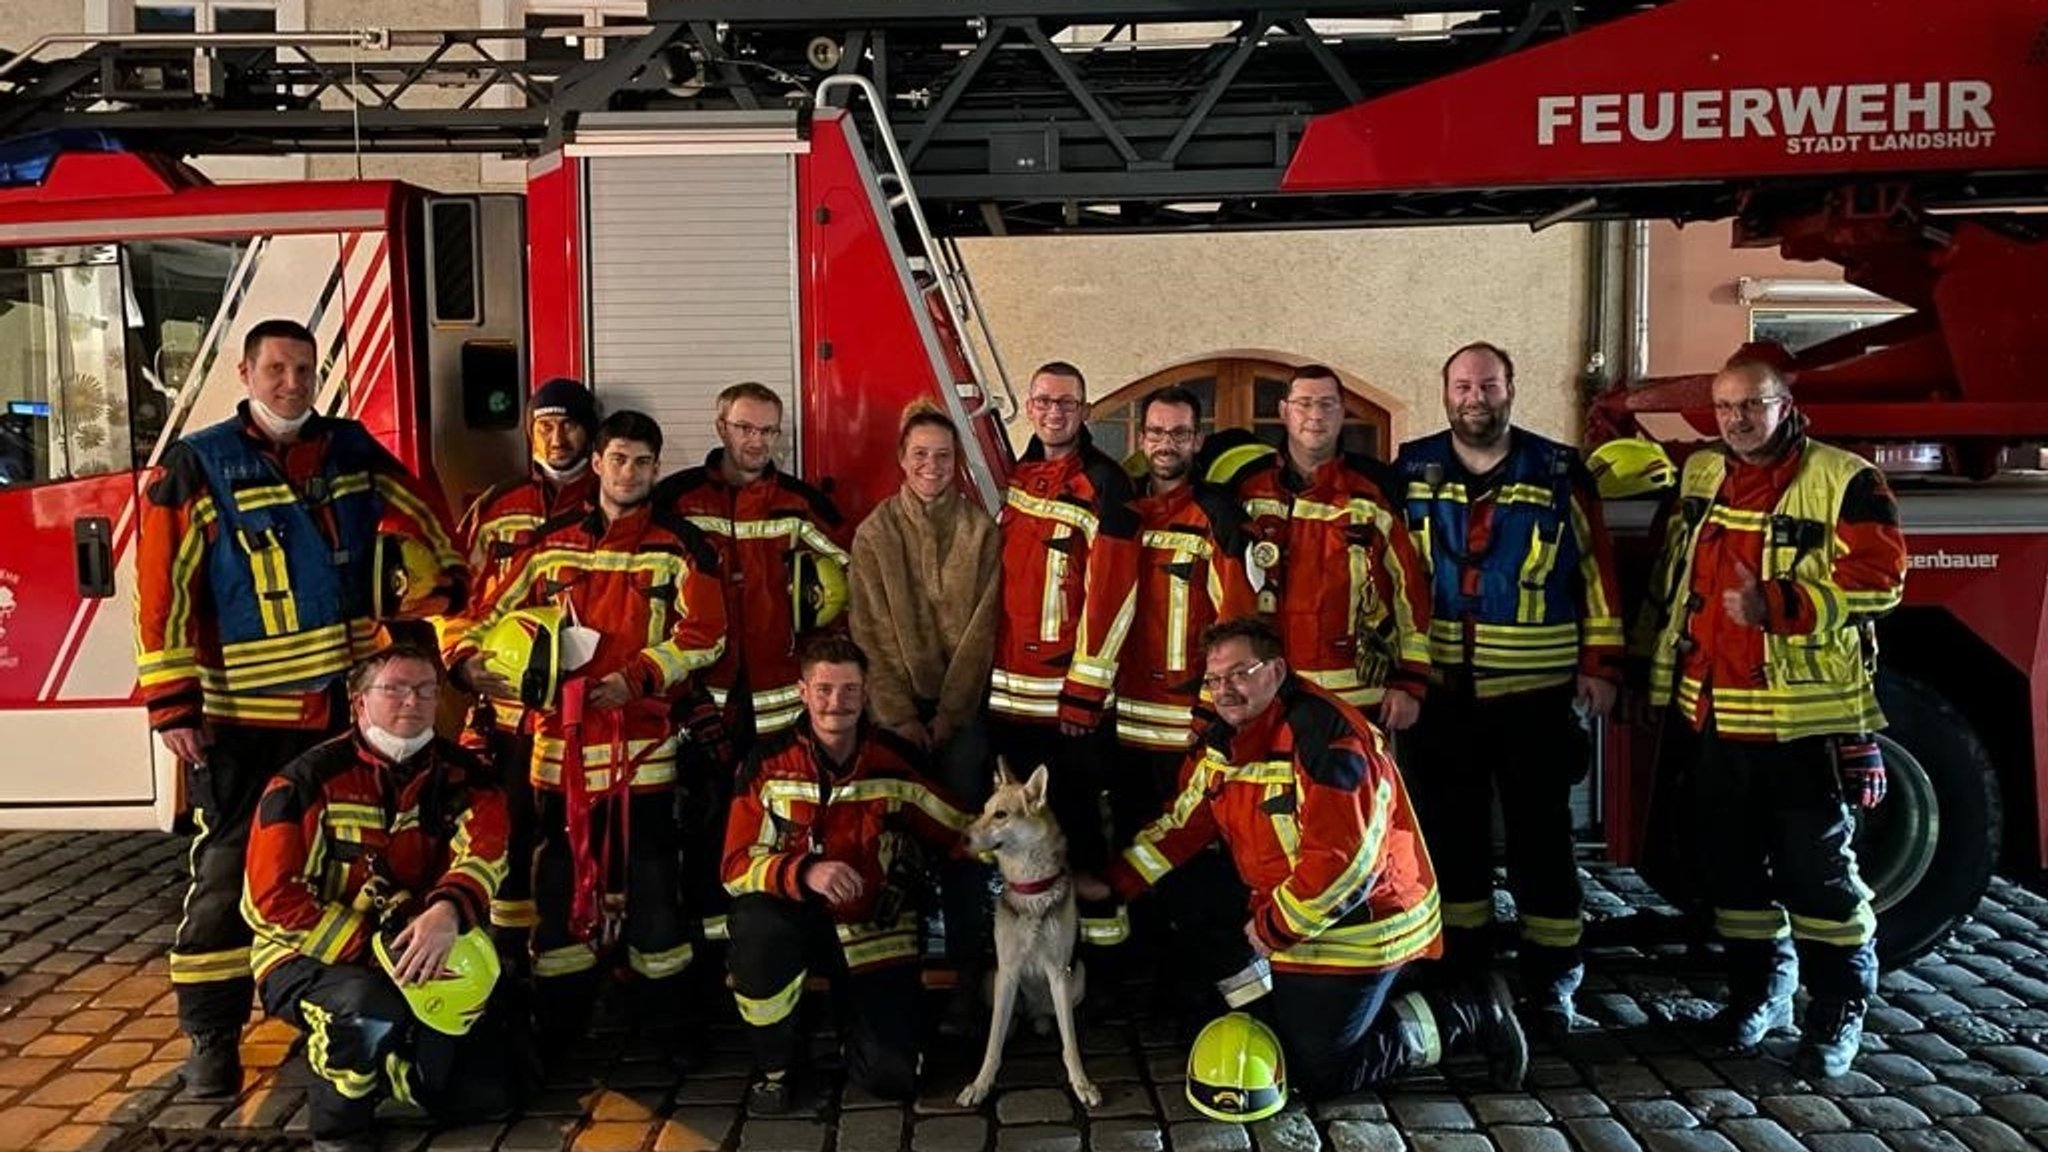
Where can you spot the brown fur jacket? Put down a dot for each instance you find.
(926, 595)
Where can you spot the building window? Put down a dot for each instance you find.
(225, 16)
(572, 17)
(1798, 329)
(1235, 392)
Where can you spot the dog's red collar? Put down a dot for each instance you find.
(1035, 887)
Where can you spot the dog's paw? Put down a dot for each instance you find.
(972, 1095)
(1089, 1095)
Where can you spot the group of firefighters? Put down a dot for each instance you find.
(1218, 648)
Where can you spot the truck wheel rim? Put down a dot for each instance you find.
(1895, 845)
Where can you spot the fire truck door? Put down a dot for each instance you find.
(72, 738)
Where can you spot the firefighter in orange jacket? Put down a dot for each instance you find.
(1335, 892)
(607, 868)
(772, 532)
(1525, 633)
(1336, 566)
(821, 858)
(1190, 574)
(387, 829)
(497, 528)
(1070, 559)
(1780, 552)
(255, 591)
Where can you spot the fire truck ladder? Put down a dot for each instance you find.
(943, 285)
(1011, 116)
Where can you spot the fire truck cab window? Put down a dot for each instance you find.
(63, 372)
(176, 289)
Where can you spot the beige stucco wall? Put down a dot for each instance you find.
(1383, 306)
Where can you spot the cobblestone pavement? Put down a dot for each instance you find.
(1957, 1056)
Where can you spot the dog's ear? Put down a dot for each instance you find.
(1034, 789)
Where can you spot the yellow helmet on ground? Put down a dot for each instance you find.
(452, 1001)
(525, 647)
(817, 589)
(407, 574)
(1631, 467)
(1236, 1071)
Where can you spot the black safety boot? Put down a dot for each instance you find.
(1499, 1035)
(1832, 1036)
(213, 1068)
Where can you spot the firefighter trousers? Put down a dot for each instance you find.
(966, 771)
(1772, 837)
(512, 911)
(1074, 767)
(363, 1045)
(643, 888)
(775, 942)
(210, 956)
(1530, 748)
(1341, 1031)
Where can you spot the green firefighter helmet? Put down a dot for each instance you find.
(407, 573)
(452, 1001)
(525, 647)
(817, 589)
(1236, 1071)
(1631, 467)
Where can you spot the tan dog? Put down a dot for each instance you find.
(1035, 924)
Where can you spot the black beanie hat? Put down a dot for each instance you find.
(562, 396)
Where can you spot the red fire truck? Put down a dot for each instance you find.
(769, 189)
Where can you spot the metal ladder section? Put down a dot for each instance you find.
(941, 277)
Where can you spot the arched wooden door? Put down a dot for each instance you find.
(1236, 392)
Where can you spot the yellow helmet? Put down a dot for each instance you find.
(1631, 467)
(1236, 1071)
(1228, 453)
(407, 573)
(452, 1001)
(817, 589)
(525, 647)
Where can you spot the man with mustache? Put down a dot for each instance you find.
(1524, 634)
(255, 592)
(822, 857)
(1779, 554)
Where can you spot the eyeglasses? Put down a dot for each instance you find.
(1749, 407)
(746, 431)
(1065, 404)
(400, 692)
(1178, 437)
(1237, 678)
(1306, 406)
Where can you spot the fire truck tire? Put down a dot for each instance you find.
(1927, 852)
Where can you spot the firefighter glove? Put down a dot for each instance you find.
(1860, 764)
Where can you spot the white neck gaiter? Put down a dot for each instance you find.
(564, 476)
(274, 426)
(397, 749)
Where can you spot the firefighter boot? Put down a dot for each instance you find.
(1762, 976)
(1551, 978)
(1832, 1035)
(1482, 1022)
(213, 1068)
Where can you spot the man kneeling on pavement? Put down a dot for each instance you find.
(822, 861)
(1332, 890)
(372, 863)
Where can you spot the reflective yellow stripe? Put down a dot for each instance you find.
(565, 961)
(1751, 924)
(398, 1074)
(1420, 1023)
(273, 583)
(715, 928)
(185, 564)
(1849, 933)
(209, 967)
(514, 913)
(659, 965)
(771, 1009)
(1052, 607)
(1070, 516)
(1106, 931)
(352, 1083)
(1343, 683)
(1551, 931)
(252, 708)
(1379, 944)
(1468, 913)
